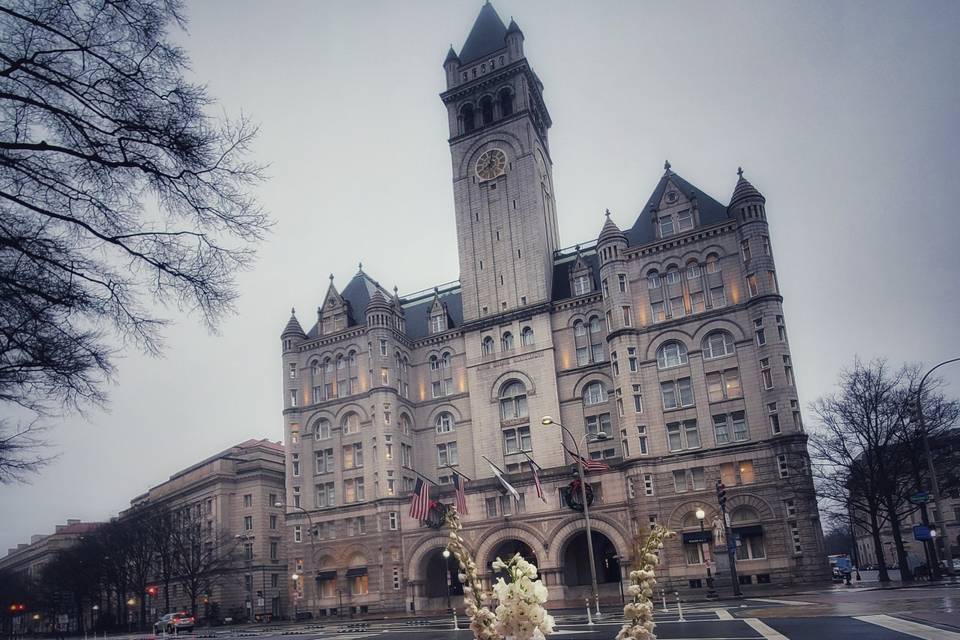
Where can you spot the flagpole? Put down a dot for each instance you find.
(493, 465)
(458, 472)
(532, 461)
(421, 475)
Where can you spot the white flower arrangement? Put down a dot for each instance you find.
(520, 614)
(639, 611)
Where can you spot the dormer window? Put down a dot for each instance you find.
(684, 220)
(666, 226)
(582, 285)
(438, 324)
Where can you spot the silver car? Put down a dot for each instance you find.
(173, 623)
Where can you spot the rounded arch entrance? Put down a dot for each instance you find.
(576, 559)
(439, 575)
(505, 550)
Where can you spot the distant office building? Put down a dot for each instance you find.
(668, 338)
(232, 497)
(28, 559)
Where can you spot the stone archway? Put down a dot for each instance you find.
(576, 559)
(505, 550)
(439, 572)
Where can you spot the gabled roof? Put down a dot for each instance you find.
(711, 211)
(357, 296)
(486, 36)
(418, 312)
(563, 262)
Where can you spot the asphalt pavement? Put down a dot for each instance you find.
(928, 612)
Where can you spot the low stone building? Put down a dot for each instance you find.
(233, 498)
(28, 559)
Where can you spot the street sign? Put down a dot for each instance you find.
(921, 532)
(920, 497)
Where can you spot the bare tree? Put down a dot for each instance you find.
(20, 450)
(119, 194)
(850, 450)
(201, 555)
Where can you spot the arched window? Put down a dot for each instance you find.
(353, 373)
(343, 390)
(316, 380)
(653, 279)
(321, 429)
(596, 340)
(506, 342)
(444, 423)
(713, 263)
(673, 275)
(467, 118)
(693, 270)
(487, 346)
(717, 344)
(594, 393)
(506, 103)
(350, 423)
(745, 523)
(405, 427)
(513, 401)
(526, 336)
(671, 354)
(486, 110)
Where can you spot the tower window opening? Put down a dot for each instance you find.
(468, 118)
(486, 110)
(506, 103)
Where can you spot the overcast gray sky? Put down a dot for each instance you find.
(844, 114)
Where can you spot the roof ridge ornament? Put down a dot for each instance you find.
(666, 166)
(739, 172)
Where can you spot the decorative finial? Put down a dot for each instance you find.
(740, 172)
(607, 213)
(293, 311)
(436, 289)
(394, 289)
(331, 278)
(577, 248)
(666, 165)
(360, 267)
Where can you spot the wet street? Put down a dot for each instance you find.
(856, 613)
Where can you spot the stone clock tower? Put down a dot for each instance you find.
(502, 172)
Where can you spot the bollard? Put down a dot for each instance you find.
(456, 625)
(679, 607)
(589, 617)
(663, 595)
(597, 596)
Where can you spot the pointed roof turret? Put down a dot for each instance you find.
(293, 326)
(486, 36)
(744, 191)
(513, 27)
(378, 301)
(610, 231)
(451, 56)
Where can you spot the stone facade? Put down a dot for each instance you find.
(669, 338)
(233, 495)
(28, 559)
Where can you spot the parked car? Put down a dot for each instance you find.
(173, 623)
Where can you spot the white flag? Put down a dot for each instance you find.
(506, 485)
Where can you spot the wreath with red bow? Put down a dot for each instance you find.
(436, 514)
(574, 498)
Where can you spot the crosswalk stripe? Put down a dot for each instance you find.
(914, 629)
(788, 602)
(723, 614)
(765, 631)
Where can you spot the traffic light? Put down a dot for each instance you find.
(152, 591)
(721, 495)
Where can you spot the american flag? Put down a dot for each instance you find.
(461, 495)
(588, 464)
(536, 481)
(420, 500)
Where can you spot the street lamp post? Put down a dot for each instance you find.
(934, 484)
(547, 420)
(312, 532)
(446, 557)
(711, 592)
(295, 577)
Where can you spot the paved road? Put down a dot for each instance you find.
(925, 612)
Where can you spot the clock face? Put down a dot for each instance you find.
(491, 164)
